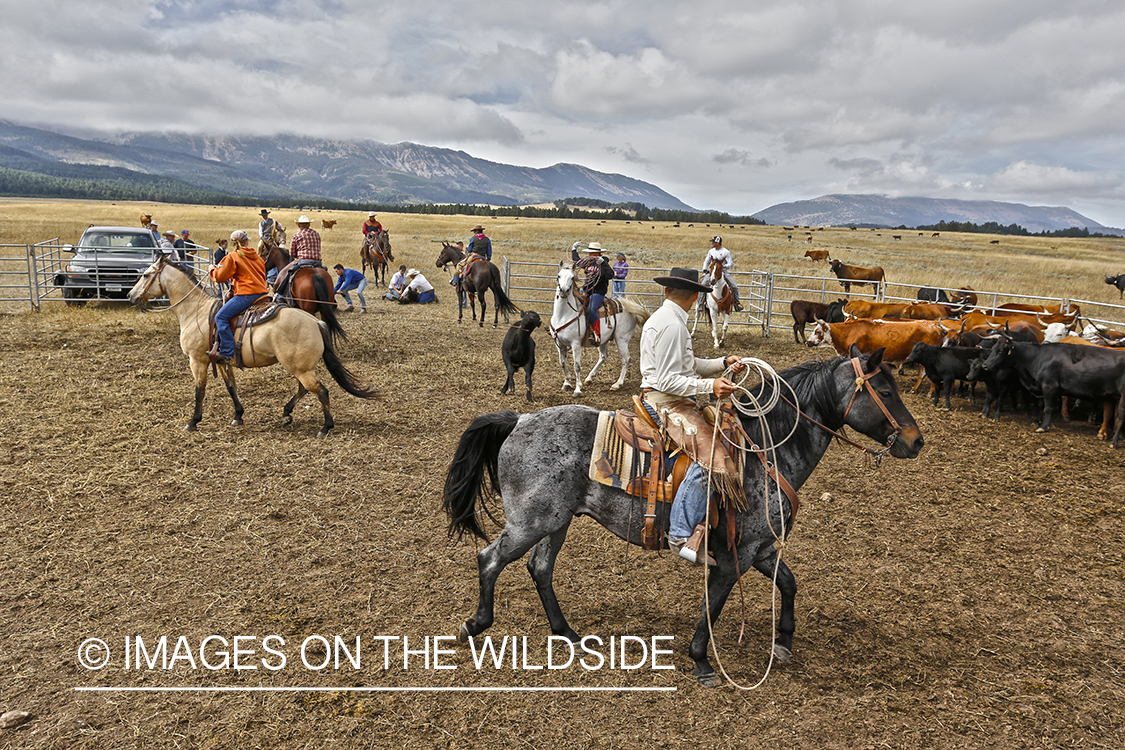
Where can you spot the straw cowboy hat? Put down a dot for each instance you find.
(477, 228)
(593, 247)
(304, 220)
(371, 214)
(682, 278)
(411, 273)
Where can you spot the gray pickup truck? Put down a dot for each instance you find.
(107, 263)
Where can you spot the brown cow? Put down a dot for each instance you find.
(863, 309)
(1019, 308)
(857, 275)
(817, 254)
(964, 296)
(328, 223)
(928, 311)
(898, 336)
(806, 311)
(984, 324)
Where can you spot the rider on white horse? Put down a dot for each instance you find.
(598, 275)
(721, 254)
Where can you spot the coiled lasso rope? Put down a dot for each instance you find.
(753, 408)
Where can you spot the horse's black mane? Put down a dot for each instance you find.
(187, 269)
(815, 385)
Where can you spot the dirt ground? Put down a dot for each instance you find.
(971, 597)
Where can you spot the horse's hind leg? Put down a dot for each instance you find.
(287, 413)
(541, 566)
(228, 379)
(310, 383)
(491, 561)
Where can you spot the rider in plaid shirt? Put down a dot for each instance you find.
(305, 244)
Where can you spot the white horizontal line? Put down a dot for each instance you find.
(373, 689)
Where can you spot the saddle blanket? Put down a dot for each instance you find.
(613, 462)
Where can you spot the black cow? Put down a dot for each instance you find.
(1119, 282)
(930, 294)
(998, 382)
(944, 365)
(519, 351)
(1054, 370)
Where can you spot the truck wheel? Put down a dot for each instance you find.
(72, 297)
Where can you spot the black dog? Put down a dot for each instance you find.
(519, 351)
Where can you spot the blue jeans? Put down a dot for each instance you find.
(619, 287)
(358, 292)
(226, 314)
(271, 276)
(690, 506)
(595, 301)
(427, 297)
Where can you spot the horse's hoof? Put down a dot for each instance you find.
(1039, 429)
(615, 387)
(463, 633)
(236, 422)
(708, 680)
(322, 434)
(288, 420)
(781, 654)
(189, 427)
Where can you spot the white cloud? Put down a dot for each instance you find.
(956, 96)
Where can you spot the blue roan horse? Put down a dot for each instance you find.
(539, 464)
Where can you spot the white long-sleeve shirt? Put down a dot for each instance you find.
(668, 363)
(721, 254)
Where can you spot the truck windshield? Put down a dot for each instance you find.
(123, 242)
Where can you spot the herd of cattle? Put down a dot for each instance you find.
(1024, 353)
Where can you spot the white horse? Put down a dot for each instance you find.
(569, 324)
(718, 300)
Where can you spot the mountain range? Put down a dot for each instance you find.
(296, 167)
(881, 211)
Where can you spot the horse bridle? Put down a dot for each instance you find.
(862, 380)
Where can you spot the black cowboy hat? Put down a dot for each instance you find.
(265, 212)
(682, 278)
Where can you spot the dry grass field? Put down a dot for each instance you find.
(969, 598)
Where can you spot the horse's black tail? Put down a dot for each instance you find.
(342, 375)
(327, 299)
(464, 483)
(503, 304)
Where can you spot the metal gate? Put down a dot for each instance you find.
(531, 285)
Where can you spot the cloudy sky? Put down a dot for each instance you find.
(726, 104)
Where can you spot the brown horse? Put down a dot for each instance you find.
(376, 252)
(310, 289)
(476, 279)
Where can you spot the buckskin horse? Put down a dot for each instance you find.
(310, 289)
(376, 252)
(294, 338)
(476, 279)
(539, 465)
